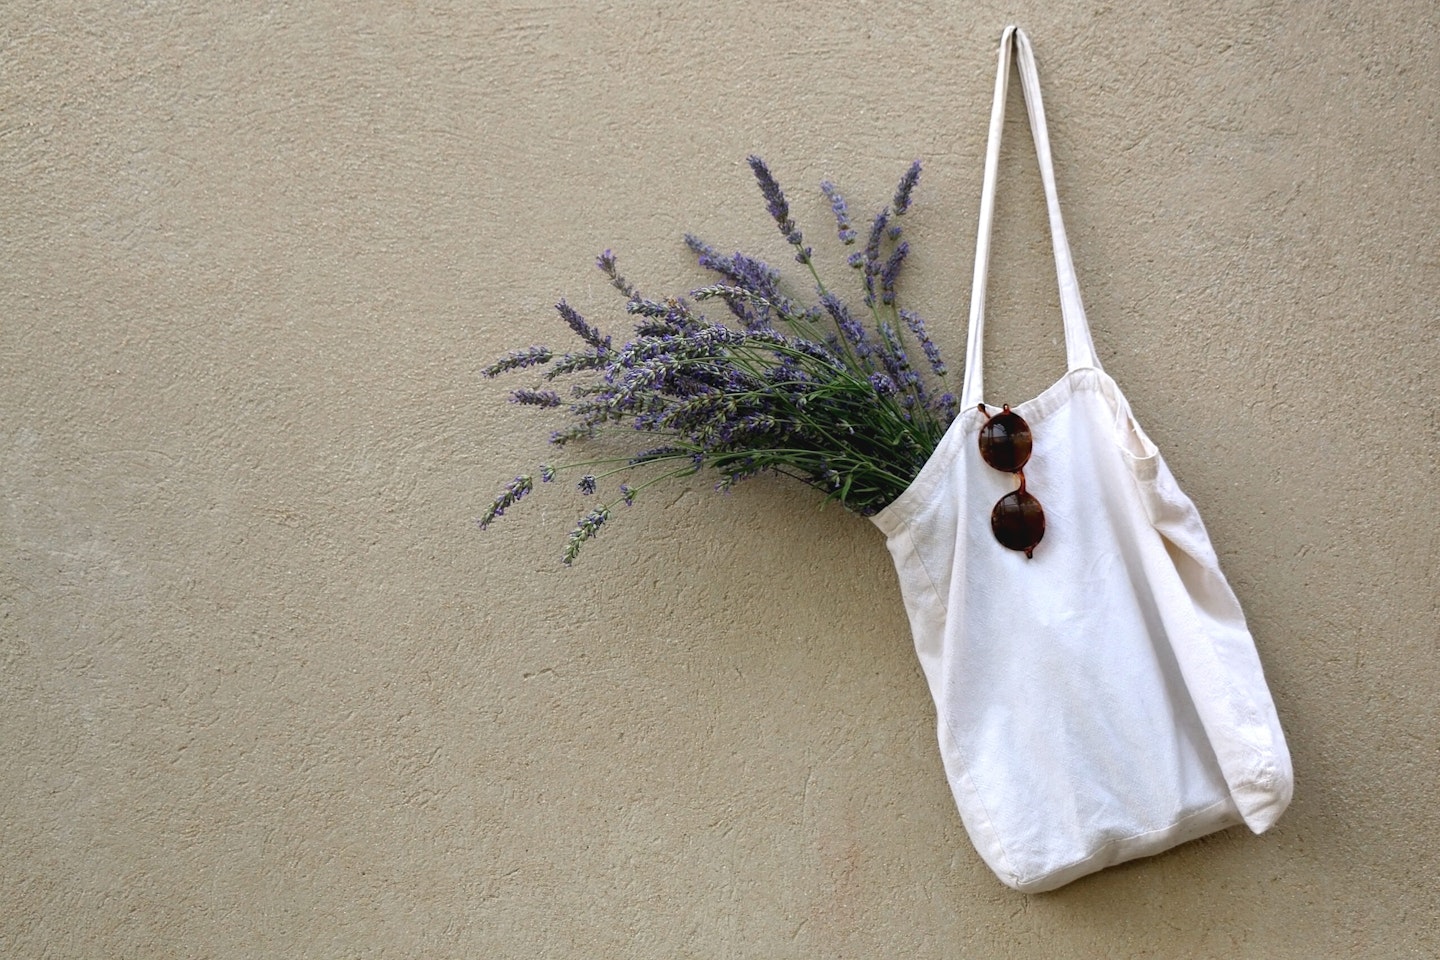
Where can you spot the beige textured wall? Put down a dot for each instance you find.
(264, 689)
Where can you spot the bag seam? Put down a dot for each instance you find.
(1198, 814)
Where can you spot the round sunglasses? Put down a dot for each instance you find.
(1005, 443)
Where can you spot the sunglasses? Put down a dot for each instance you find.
(1005, 443)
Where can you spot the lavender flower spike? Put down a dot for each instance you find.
(850, 328)
(535, 398)
(508, 497)
(843, 228)
(775, 202)
(582, 327)
(516, 359)
(946, 405)
(883, 385)
(932, 352)
(871, 261)
(891, 272)
(588, 526)
(708, 256)
(906, 187)
(897, 364)
(606, 263)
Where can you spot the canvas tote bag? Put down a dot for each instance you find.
(1102, 699)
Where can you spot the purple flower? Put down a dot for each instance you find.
(758, 277)
(850, 328)
(820, 352)
(906, 187)
(775, 203)
(897, 364)
(947, 405)
(582, 327)
(871, 261)
(711, 259)
(508, 497)
(883, 385)
(627, 494)
(517, 359)
(891, 271)
(574, 363)
(686, 416)
(843, 228)
(587, 484)
(736, 470)
(932, 352)
(666, 317)
(536, 398)
(588, 526)
(707, 255)
(751, 276)
(547, 473)
(606, 263)
(640, 306)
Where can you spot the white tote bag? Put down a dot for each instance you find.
(1102, 699)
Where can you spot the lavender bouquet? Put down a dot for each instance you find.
(809, 391)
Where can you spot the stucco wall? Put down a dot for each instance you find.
(266, 691)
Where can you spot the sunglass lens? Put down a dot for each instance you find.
(1018, 521)
(1005, 442)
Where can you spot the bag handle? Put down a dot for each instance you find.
(1079, 348)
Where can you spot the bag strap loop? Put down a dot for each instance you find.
(1079, 348)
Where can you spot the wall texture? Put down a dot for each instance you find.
(266, 691)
